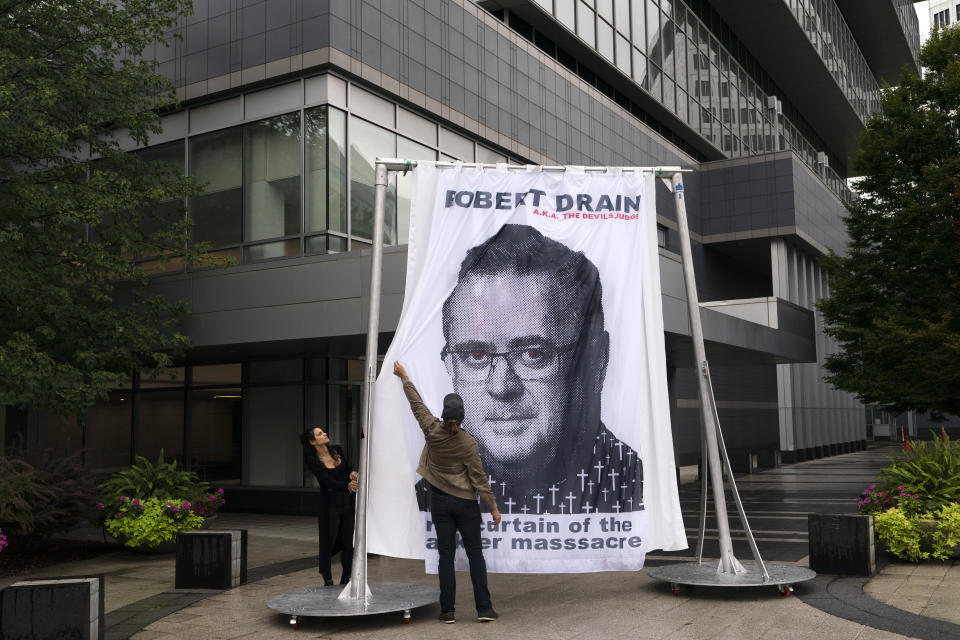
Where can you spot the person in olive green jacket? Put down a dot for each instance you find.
(450, 463)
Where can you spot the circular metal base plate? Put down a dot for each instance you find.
(706, 575)
(385, 597)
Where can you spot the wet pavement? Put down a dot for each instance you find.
(903, 600)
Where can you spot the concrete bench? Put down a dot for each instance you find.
(841, 544)
(211, 559)
(53, 608)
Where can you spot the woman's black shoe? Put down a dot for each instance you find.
(327, 583)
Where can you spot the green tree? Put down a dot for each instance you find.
(894, 305)
(74, 208)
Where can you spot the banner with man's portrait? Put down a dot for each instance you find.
(535, 295)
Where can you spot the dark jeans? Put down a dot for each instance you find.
(335, 533)
(450, 515)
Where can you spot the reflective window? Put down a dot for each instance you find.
(326, 169)
(585, 24)
(410, 150)
(367, 143)
(271, 178)
(216, 159)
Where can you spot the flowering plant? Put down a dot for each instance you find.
(209, 503)
(152, 521)
(3, 540)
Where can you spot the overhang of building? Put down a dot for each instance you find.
(733, 341)
(772, 34)
(881, 36)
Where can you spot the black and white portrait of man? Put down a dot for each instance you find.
(526, 348)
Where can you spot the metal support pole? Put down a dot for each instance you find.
(728, 563)
(357, 588)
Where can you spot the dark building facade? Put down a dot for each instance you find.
(286, 104)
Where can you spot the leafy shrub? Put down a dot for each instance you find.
(152, 521)
(929, 472)
(146, 480)
(947, 534)
(900, 534)
(44, 493)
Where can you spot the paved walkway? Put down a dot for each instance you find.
(903, 601)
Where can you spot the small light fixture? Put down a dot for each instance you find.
(225, 397)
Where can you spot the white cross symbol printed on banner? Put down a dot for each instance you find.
(603, 436)
(613, 474)
(510, 504)
(617, 507)
(604, 492)
(553, 495)
(503, 488)
(630, 502)
(619, 446)
(599, 468)
(583, 475)
(561, 507)
(630, 456)
(524, 509)
(492, 481)
(586, 507)
(590, 484)
(570, 498)
(538, 498)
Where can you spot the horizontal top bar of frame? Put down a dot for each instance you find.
(397, 164)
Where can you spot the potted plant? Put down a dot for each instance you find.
(915, 507)
(146, 506)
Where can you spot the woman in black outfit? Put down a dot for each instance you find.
(335, 516)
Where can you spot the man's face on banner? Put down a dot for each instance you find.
(509, 344)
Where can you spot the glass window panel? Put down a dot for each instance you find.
(605, 9)
(169, 377)
(639, 67)
(326, 169)
(317, 369)
(157, 267)
(343, 418)
(585, 24)
(216, 434)
(623, 54)
(216, 159)
(160, 425)
(272, 424)
(667, 45)
(680, 59)
(108, 433)
(566, 13)
(326, 244)
(410, 150)
(622, 17)
(275, 371)
(359, 245)
(605, 40)
(217, 374)
(637, 23)
(271, 250)
(367, 143)
(654, 46)
(271, 177)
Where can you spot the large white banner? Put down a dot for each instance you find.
(535, 295)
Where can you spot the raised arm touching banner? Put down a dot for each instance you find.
(535, 296)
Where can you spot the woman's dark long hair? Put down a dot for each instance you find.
(309, 453)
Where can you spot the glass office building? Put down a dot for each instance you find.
(286, 104)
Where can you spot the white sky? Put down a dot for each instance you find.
(923, 14)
